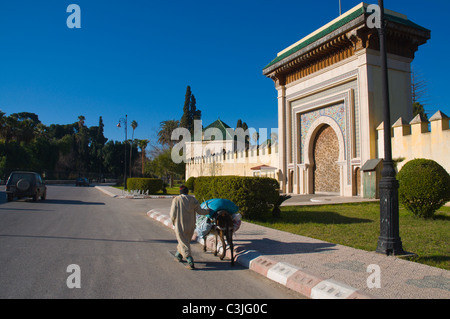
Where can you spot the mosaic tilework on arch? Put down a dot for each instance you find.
(336, 112)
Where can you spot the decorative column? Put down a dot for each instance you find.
(282, 138)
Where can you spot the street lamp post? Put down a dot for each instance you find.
(124, 122)
(389, 242)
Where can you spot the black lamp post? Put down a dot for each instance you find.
(124, 121)
(389, 242)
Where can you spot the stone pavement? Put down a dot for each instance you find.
(319, 269)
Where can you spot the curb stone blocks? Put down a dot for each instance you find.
(281, 272)
(262, 265)
(303, 282)
(330, 289)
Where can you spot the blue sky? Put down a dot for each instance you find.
(136, 57)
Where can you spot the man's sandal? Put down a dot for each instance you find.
(190, 263)
(178, 257)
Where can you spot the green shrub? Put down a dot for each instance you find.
(152, 185)
(190, 183)
(424, 186)
(254, 196)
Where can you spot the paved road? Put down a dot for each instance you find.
(121, 253)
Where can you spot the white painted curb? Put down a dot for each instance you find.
(105, 191)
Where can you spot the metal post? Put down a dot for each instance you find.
(125, 169)
(124, 121)
(389, 242)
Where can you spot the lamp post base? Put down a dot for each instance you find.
(390, 246)
(389, 242)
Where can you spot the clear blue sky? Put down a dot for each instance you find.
(136, 57)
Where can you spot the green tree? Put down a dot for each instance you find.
(43, 154)
(419, 93)
(100, 137)
(114, 158)
(134, 125)
(185, 118)
(190, 112)
(163, 167)
(25, 126)
(81, 120)
(255, 137)
(194, 114)
(143, 145)
(82, 139)
(418, 109)
(165, 132)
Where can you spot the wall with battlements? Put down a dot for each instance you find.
(234, 163)
(419, 139)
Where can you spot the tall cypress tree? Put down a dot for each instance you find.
(100, 138)
(194, 113)
(190, 112)
(186, 118)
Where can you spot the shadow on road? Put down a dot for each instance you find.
(274, 247)
(79, 238)
(70, 202)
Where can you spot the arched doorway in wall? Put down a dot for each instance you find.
(326, 174)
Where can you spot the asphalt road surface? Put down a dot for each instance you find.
(81, 243)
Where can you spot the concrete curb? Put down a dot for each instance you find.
(137, 196)
(290, 276)
(105, 191)
(144, 196)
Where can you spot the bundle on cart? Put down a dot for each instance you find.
(204, 223)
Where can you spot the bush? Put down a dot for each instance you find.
(152, 185)
(254, 195)
(424, 186)
(190, 183)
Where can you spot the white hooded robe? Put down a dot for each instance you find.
(183, 216)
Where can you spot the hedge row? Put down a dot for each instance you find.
(190, 183)
(152, 185)
(253, 195)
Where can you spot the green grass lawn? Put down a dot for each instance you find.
(357, 225)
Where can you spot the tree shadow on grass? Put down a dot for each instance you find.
(314, 217)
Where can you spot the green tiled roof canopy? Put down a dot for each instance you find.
(335, 26)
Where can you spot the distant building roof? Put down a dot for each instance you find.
(263, 168)
(222, 127)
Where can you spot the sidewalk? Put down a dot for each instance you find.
(323, 199)
(319, 269)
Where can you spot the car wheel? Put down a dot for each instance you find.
(9, 197)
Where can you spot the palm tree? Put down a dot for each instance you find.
(255, 137)
(4, 130)
(81, 120)
(165, 133)
(143, 145)
(134, 124)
